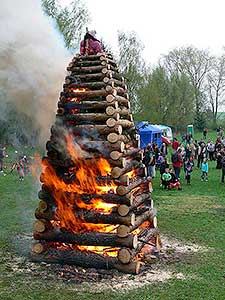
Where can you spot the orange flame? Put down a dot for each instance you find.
(68, 195)
(77, 90)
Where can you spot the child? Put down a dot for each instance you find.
(205, 169)
(174, 182)
(165, 178)
(188, 167)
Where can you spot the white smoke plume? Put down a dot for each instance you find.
(32, 61)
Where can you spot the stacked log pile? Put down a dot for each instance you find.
(94, 108)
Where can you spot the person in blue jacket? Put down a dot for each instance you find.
(205, 170)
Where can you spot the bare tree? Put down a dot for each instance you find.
(216, 85)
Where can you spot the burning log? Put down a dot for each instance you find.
(85, 259)
(87, 94)
(112, 218)
(126, 255)
(123, 230)
(88, 238)
(110, 198)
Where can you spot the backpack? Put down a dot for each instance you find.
(174, 158)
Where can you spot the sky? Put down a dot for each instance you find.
(161, 24)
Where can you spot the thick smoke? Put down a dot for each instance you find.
(32, 62)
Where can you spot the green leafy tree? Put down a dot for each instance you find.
(132, 65)
(71, 20)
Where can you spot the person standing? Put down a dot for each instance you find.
(223, 168)
(177, 162)
(2, 156)
(205, 170)
(164, 150)
(204, 133)
(175, 144)
(188, 168)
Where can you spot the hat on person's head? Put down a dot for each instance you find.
(92, 33)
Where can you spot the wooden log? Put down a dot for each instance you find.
(104, 146)
(87, 94)
(117, 172)
(121, 163)
(84, 77)
(111, 122)
(126, 255)
(115, 75)
(109, 61)
(109, 198)
(42, 225)
(68, 105)
(47, 215)
(88, 69)
(100, 129)
(88, 238)
(91, 117)
(124, 112)
(114, 138)
(123, 230)
(115, 155)
(115, 82)
(43, 205)
(123, 190)
(86, 63)
(112, 218)
(39, 248)
(88, 216)
(85, 259)
(124, 209)
(121, 100)
(90, 85)
(80, 57)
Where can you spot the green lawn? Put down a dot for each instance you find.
(196, 214)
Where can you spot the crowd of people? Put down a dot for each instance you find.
(186, 155)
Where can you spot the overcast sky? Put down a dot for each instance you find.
(161, 24)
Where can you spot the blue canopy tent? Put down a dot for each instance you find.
(149, 134)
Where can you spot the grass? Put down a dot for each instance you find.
(196, 214)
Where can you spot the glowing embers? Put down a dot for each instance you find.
(71, 209)
(75, 91)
